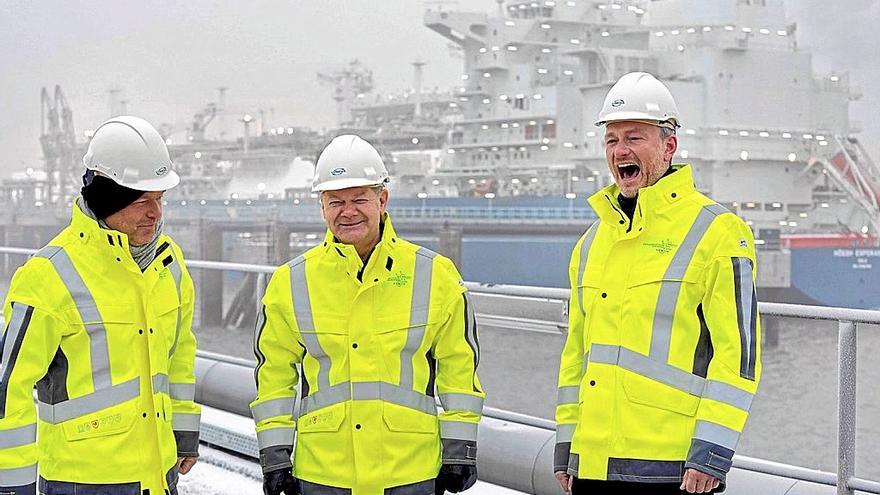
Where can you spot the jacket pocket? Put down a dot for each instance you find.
(110, 421)
(326, 419)
(648, 392)
(403, 419)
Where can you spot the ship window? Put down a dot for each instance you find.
(531, 132)
(773, 206)
(548, 130)
(750, 205)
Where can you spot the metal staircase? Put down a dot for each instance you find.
(853, 170)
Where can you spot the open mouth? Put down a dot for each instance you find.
(628, 171)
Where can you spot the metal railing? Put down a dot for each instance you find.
(848, 320)
(253, 210)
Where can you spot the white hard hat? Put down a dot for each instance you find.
(639, 96)
(348, 161)
(130, 152)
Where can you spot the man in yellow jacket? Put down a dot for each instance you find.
(662, 358)
(369, 325)
(99, 320)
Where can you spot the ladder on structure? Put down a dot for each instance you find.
(858, 175)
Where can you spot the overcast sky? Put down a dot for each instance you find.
(168, 57)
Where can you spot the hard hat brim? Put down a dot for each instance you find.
(165, 183)
(336, 185)
(638, 116)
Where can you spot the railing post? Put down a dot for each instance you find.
(846, 405)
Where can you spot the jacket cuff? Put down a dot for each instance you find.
(710, 458)
(275, 458)
(187, 443)
(560, 456)
(459, 451)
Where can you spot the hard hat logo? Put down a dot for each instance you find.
(161, 170)
(618, 103)
(337, 171)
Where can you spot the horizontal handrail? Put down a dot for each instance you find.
(827, 313)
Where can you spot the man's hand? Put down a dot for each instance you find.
(184, 464)
(455, 478)
(698, 482)
(565, 480)
(280, 481)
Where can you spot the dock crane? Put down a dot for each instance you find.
(58, 140)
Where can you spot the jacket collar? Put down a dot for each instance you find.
(386, 243)
(666, 192)
(90, 232)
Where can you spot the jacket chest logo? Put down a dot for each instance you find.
(661, 247)
(95, 424)
(400, 279)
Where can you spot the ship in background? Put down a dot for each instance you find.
(767, 138)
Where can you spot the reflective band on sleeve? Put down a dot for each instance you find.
(568, 395)
(728, 394)
(565, 432)
(182, 391)
(282, 406)
(717, 434)
(177, 274)
(20, 476)
(16, 437)
(87, 404)
(458, 430)
(585, 252)
(185, 421)
(276, 437)
(418, 313)
(302, 309)
(160, 383)
(462, 402)
(670, 288)
(88, 312)
(746, 315)
(11, 347)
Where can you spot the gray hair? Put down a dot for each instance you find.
(665, 132)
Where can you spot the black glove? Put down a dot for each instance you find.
(455, 478)
(281, 480)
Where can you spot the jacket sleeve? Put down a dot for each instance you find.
(571, 369)
(29, 342)
(730, 314)
(278, 351)
(456, 349)
(186, 414)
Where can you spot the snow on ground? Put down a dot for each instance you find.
(219, 473)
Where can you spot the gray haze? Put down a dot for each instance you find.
(169, 57)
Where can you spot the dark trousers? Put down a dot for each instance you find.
(601, 487)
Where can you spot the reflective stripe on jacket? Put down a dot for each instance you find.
(370, 344)
(662, 359)
(111, 352)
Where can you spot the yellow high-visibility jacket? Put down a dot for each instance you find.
(111, 352)
(371, 343)
(662, 359)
